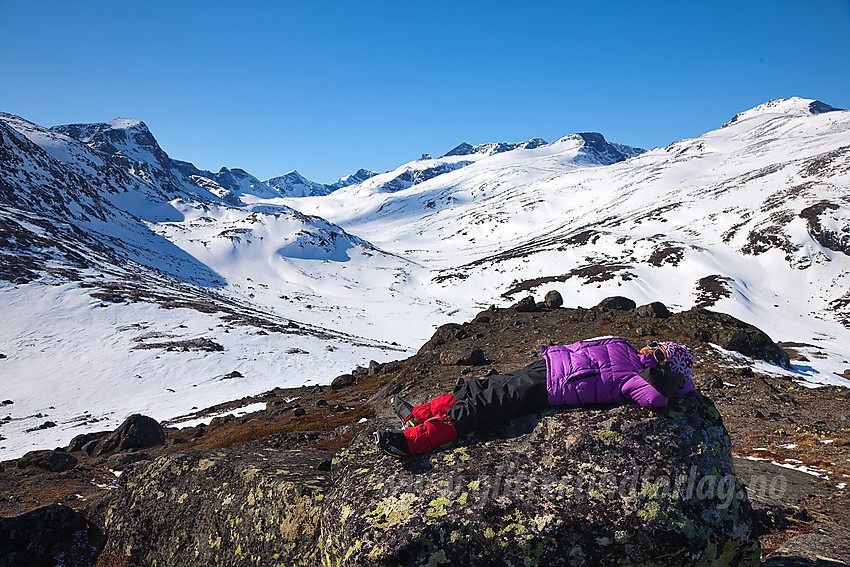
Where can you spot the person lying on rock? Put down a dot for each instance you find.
(597, 371)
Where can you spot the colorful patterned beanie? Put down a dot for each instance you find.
(678, 358)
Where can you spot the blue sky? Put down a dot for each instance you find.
(328, 87)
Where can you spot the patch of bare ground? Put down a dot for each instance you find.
(712, 289)
(199, 344)
(591, 273)
(666, 253)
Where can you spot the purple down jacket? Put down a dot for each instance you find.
(601, 371)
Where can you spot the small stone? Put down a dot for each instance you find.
(324, 466)
(553, 299)
(342, 381)
(471, 357)
(321, 403)
(7, 402)
(299, 412)
(526, 305)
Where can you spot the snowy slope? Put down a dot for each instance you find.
(112, 252)
(757, 209)
(88, 285)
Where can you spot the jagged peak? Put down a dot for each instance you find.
(290, 177)
(465, 149)
(87, 131)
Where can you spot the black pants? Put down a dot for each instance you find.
(482, 403)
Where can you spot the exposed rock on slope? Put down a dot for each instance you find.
(236, 507)
(50, 536)
(578, 487)
(729, 333)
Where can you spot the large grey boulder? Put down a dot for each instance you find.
(240, 506)
(607, 486)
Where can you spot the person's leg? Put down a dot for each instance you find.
(435, 408)
(479, 403)
(488, 403)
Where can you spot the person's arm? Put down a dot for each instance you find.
(653, 387)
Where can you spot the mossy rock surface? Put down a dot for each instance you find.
(604, 486)
(241, 506)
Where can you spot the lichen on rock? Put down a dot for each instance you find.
(242, 506)
(658, 490)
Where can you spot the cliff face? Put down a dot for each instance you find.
(302, 484)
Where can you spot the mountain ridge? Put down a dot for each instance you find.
(372, 267)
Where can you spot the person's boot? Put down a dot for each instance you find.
(426, 436)
(404, 410)
(393, 443)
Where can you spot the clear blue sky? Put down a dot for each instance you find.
(328, 87)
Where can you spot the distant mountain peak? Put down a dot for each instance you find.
(465, 149)
(794, 106)
(293, 184)
(599, 150)
(126, 124)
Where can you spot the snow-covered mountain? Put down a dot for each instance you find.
(293, 184)
(132, 282)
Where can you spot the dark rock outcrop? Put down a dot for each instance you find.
(729, 333)
(247, 506)
(84, 440)
(54, 461)
(49, 536)
(617, 303)
(618, 485)
(120, 461)
(467, 357)
(137, 432)
(526, 305)
(342, 381)
(655, 309)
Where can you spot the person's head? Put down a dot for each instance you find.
(673, 357)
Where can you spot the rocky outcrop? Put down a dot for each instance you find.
(137, 431)
(50, 536)
(827, 545)
(54, 461)
(728, 332)
(247, 506)
(604, 486)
